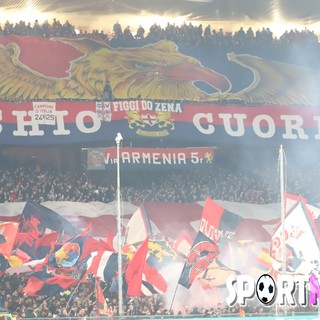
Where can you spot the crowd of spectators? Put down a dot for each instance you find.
(80, 302)
(187, 33)
(244, 182)
(247, 179)
(260, 184)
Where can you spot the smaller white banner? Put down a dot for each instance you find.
(44, 112)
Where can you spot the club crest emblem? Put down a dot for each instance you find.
(150, 123)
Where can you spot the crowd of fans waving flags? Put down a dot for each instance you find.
(56, 256)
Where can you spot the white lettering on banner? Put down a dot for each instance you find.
(135, 157)
(155, 158)
(293, 122)
(61, 130)
(209, 230)
(146, 156)
(80, 121)
(168, 107)
(125, 106)
(167, 159)
(22, 123)
(227, 125)
(317, 119)
(146, 105)
(194, 157)
(106, 158)
(150, 158)
(125, 156)
(213, 233)
(196, 121)
(263, 126)
(182, 158)
(257, 129)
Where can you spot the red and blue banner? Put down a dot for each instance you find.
(100, 159)
(159, 90)
(71, 122)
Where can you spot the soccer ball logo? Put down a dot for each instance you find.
(266, 290)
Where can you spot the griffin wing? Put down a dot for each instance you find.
(85, 45)
(277, 82)
(17, 81)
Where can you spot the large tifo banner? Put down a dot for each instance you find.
(234, 97)
(70, 122)
(100, 158)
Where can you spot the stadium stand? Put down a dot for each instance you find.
(238, 175)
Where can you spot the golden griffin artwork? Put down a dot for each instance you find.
(155, 71)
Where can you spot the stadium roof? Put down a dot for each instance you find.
(267, 13)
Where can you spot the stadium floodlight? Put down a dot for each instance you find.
(118, 138)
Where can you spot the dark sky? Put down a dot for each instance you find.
(204, 9)
(256, 13)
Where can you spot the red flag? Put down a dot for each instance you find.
(45, 284)
(153, 281)
(102, 305)
(92, 245)
(217, 223)
(43, 244)
(33, 285)
(110, 237)
(135, 270)
(8, 234)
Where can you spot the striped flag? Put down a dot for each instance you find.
(138, 227)
(103, 265)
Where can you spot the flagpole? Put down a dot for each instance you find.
(42, 304)
(174, 295)
(118, 139)
(283, 211)
(71, 295)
